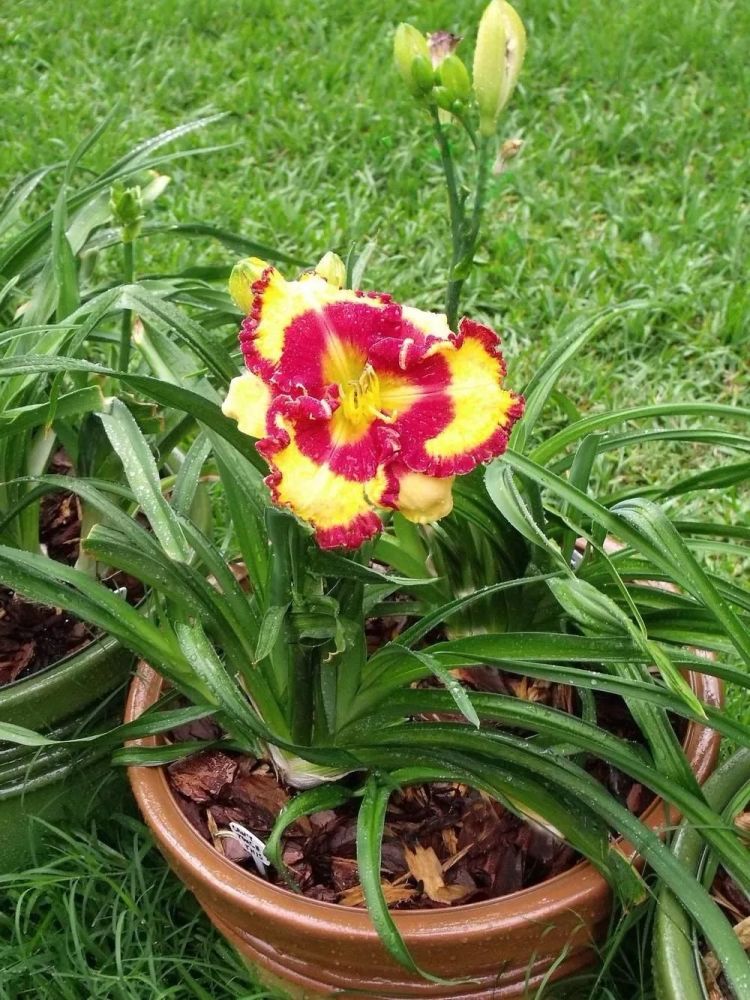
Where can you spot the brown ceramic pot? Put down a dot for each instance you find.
(308, 949)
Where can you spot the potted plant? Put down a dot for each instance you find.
(284, 670)
(283, 666)
(362, 660)
(681, 969)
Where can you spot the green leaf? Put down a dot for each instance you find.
(86, 400)
(654, 527)
(164, 393)
(46, 581)
(370, 821)
(234, 705)
(592, 608)
(270, 630)
(248, 499)
(235, 242)
(63, 262)
(136, 157)
(165, 754)
(510, 753)
(143, 476)
(710, 479)
(580, 474)
(647, 529)
(153, 309)
(150, 723)
(649, 436)
(568, 435)
(429, 620)
(330, 564)
(19, 193)
(508, 500)
(562, 354)
(457, 692)
(542, 804)
(304, 803)
(188, 478)
(509, 750)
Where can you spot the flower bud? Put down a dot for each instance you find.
(412, 57)
(244, 274)
(498, 57)
(454, 76)
(332, 268)
(423, 498)
(444, 100)
(126, 206)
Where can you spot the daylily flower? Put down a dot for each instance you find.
(359, 402)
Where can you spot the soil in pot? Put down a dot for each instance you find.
(445, 844)
(33, 636)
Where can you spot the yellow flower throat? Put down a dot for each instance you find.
(360, 399)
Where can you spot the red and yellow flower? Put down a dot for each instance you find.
(359, 402)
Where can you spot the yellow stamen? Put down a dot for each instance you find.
(360, 399)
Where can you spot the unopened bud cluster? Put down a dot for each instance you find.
(433, 72)
(126, 206)
(127, 203)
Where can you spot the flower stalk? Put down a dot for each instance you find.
(126, 205)
(498, 58)
(126, 324)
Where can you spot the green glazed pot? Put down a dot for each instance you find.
(677, 965)
(78, 695)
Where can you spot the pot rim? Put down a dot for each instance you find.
(101, 644)
(574, 886)
(104, 643)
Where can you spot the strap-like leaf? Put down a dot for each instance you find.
(562, 354)
(142, 474)
(304, 803)
(370, 821)
(599, 421)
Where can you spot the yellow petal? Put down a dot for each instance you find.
(424, 498)
(332, 268)
(481, 408)
(247, 402)
(430, 323)
(336, 507)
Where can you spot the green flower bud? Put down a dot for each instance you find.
(126, 206)
(423, 75)
(443, 98)
(454, 76)
(412, 57)
(498, 57)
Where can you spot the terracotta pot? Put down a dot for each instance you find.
(307, 949)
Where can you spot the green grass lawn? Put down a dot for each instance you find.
(633, 182)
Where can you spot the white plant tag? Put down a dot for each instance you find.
(254, 845)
